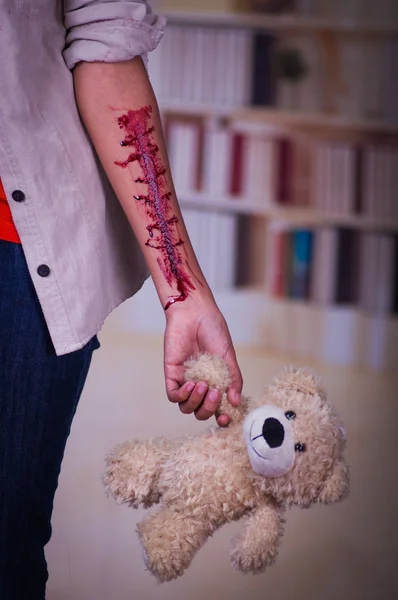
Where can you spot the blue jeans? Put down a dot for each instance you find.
(39, 393)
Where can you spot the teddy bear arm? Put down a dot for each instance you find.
(256, 546)
(133, 470)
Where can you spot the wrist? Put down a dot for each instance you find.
(196, 302)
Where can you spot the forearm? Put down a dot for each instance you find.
(120, 112)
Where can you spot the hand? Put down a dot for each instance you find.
(192, 329)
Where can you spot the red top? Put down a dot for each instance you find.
(7, 227)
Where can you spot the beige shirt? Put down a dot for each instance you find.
(82, 255)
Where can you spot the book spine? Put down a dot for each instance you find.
(285, 171)
(276, 259)
(347, 291)
(395, 278)
(301, 268)
(188, 64)
(237, 164)
(324, 266)
(198, 38)
(263, 79)
(385, 273)
(226, 251)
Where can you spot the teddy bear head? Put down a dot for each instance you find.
(296, 442)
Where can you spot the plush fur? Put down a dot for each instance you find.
(201, 482)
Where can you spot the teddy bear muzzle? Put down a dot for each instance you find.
(269, 439)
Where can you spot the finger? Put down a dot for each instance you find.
(209, 406)
(177, 393)
(223, 420)
(235, 389)
(195, 399)
(234, 396)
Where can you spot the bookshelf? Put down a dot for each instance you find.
(285, 23)
(276, 173)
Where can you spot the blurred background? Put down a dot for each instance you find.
(281, 119)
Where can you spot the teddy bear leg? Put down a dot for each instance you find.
(133, 470)
(170, 540)
(256, 546)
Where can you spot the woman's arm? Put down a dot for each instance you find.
(119, 110)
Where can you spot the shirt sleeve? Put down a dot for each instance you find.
(110, 30)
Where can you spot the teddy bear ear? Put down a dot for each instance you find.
(336, 485)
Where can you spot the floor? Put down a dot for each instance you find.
(348, 551)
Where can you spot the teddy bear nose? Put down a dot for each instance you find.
(273, 432)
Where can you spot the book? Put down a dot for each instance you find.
(324, 266)
(222, 70)
(243, 72)
(373, 78)
(347, 281)
(209, 71)
(302, 172)
(199, 66)
(217, 152)
(263, 70)
(238, 152)
(379, 182)
(260, 169)
(166, 65)
(368, 271)
(395, 278)
(351, 69)
(211, 261)
(189, 72)
(276, 258)
(302, 243)
(184, 150)
(191, 218)
(226, 251)
(385, 275)
(335, 178)
(294, 171)
(390, 89)
(284, 190)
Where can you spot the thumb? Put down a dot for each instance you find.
(235, 389)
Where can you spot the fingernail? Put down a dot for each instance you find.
(237, 397)
(189, 386)
(202, 388)
(213, 396)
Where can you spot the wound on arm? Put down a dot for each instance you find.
(162, 228)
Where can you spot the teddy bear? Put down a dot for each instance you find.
(285, 448)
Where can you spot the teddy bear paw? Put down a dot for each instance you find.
(131, 475)
(165, 566)
(251, 563)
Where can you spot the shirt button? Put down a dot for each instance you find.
(18, 196)
(43, 270)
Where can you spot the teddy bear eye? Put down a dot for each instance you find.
(300, 447)
(290, 415)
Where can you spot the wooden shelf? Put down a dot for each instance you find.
(298, 217)
(311, 217)
(315, 122)
(232, 204)
(279, 22)
(310, 122)
(201, 109)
